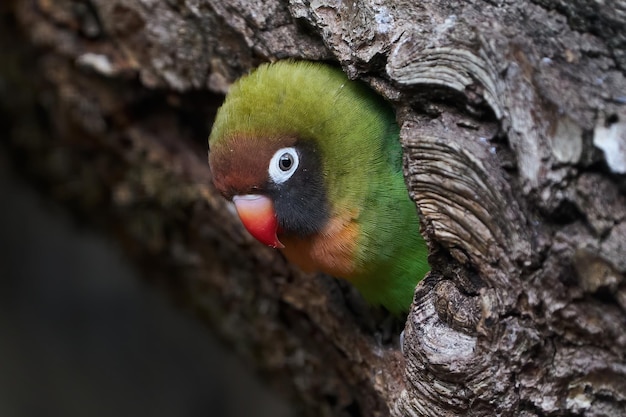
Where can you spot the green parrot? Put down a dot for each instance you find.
(313, 163)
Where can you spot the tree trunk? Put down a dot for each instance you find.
(513, 119)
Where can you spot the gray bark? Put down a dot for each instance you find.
(513, 119)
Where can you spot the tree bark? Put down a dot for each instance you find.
(513, 124)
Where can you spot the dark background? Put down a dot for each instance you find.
(81, 335)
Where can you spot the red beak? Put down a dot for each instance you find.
(259, 218)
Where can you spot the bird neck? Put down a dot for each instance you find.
(332, 250)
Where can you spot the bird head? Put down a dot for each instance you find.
(292, 146)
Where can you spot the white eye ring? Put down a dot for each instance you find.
(283, 164)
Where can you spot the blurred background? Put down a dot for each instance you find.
(80, 335)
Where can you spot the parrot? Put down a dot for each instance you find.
(313, 164)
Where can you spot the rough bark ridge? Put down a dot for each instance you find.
(514, 129)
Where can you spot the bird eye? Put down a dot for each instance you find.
(285, 161)
(283, 164)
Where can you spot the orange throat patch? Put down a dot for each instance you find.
(332, 251)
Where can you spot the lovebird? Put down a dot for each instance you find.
(313, 164)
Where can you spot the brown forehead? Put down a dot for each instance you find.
(240, 163)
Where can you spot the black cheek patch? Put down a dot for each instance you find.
(300, 202)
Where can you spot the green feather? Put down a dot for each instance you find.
(357, 136)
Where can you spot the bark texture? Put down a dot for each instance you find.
(513, 117)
